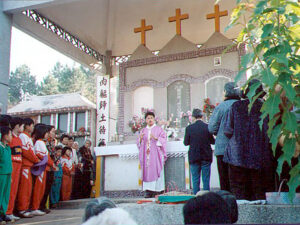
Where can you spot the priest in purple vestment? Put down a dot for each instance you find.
(152, 155)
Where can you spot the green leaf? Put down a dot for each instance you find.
(293, 7)
(271, 105)
(290, 121)
(280, 161)
(239, 75)
(260, 7)
(252, 100)
(268, 10)
(281, 10)
(281, 58)
(293, 184)
(238, 1)
(297, 101)
(268, 77)
(285, 81)
(261, 122)
(290, 91)
(295, 31)
(289, 147)
(246, 59)
(241, 35)
(274, 136)
(267, 29)
(275, 3)
(252, 90)
(294, 181)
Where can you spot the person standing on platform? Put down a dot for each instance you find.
(41, 133)
(199, 139)
(76, 192)
(248, 152)
(68, 169)
(5, 171)
(64, 140)
(87, 170)
(152, 155)
(17, 126)
(29, 158)
(56, 185)
(216, 127)
(50, 143)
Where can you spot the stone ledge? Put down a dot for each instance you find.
(248, 214)
(151, 213)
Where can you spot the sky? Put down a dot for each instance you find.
(37, 56)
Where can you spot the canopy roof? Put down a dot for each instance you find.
(109, 24)
(52, 103)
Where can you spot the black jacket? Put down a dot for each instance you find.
(199, 139)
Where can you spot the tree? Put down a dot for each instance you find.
(272, 37)
(21, 82)
(65, 79)
(49, 86)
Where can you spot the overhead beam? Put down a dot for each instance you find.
(15, 6)
(38, 32)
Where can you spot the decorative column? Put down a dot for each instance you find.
(5, 39)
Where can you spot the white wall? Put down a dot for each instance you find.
(121, 174)
(142, 97)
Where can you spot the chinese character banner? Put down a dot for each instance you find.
(102, 110)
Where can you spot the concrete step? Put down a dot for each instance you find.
(81, 203)
(151, 213)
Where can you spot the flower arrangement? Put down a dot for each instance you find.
(208, 108)
(81, 130)
(187, 116)
(136, 123)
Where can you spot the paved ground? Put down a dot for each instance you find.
(69, 213)
(56, 217)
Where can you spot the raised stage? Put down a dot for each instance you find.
(120, 170)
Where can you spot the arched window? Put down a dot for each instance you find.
(179, 101)
(142, 98)
(214, 89)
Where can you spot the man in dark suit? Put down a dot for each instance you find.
(199, 139)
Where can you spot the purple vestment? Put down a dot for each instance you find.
(153, 164)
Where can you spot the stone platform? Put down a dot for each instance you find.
(152, 213)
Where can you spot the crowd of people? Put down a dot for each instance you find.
(246, 164)
(37, 171)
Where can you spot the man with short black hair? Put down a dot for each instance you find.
(64, 140)
(199, 139)
(209, 208)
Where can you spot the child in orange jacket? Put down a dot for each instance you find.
(68, 169)
(41, 133)
(29, 158)
(17, 126)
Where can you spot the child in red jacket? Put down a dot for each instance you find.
(17, 126)
(41, 133)
(29, 158)
(68, 169)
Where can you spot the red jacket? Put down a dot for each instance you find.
(29, 157)
(41, 151)
(16, 149)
